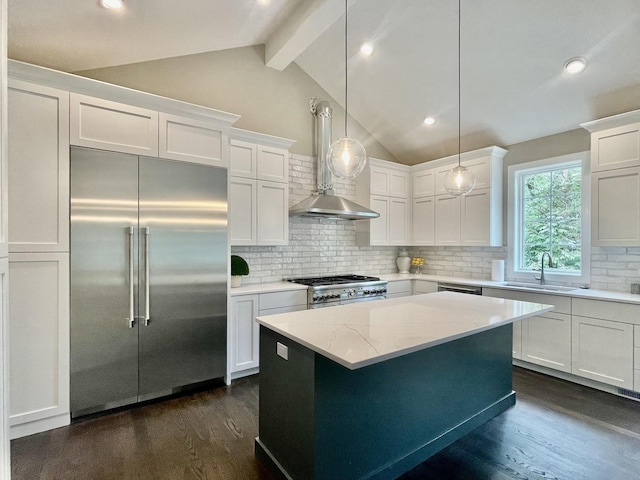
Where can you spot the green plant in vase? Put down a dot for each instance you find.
(239, 269)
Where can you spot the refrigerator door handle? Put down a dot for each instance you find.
(132, 319)
(147, 318)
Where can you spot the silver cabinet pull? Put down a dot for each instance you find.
(147, 319)
(132, 319)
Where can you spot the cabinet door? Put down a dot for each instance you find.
(447, 224)
(424, 183)
(475, 215)
(441, 172)
(190, 140)
(273, 164)
(400, 288)
(242, 211)
(243, 158)
(244, 336)
(273, 213)
(39, 338)
(603, 351)
(398, 221)
(424, 286)
(423, 224)
(398, 184)
(615, 208)
(615, 148)
(379, 227)
(546, 340)
(481, 169)
(113, 126)
(379, 181)
(38, 168)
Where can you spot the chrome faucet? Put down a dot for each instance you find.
(541, 277)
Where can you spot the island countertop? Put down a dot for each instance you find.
(366, 333)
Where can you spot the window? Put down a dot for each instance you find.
(548, 212)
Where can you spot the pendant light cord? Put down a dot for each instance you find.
(459, 83)
(346, 83)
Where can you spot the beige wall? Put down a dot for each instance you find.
(237, 81)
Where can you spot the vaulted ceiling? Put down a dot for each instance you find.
(513, 87)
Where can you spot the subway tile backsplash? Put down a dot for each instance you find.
(323, 247)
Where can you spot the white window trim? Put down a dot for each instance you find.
(513, 210)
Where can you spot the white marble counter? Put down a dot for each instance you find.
(365, 333)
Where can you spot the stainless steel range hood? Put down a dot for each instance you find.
(324, 203)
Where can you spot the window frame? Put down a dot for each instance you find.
(514, 215)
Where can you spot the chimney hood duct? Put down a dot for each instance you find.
(324, 203)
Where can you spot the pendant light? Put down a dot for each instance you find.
(346, 157)
(459, 180)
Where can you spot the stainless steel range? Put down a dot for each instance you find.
(342, 289)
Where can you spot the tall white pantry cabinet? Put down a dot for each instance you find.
(48, 112)
(615, 180)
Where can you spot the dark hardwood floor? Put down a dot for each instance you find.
(557, 430)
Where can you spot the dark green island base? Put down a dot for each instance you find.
(322, 421)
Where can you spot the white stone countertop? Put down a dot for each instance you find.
(362, 334)
(607, 295)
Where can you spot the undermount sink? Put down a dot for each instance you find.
(537, 286)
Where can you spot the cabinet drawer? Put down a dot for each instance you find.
(562, 304)
(619, 312)
(401, 287)
(107, 125)
(282, 299)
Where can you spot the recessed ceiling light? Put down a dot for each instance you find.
(429, 120)
(112, 4)
(575, 65)
(366, 49)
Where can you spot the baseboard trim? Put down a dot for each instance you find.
(38, 426)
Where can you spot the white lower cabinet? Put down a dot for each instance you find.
(400, 288)
(424, 286)
(545, 339)
(603, 341)
(39, 338)
(244, 331)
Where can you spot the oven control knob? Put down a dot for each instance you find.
(352, 293)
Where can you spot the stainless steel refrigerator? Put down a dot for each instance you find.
(148, 277)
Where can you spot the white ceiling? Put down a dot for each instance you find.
(513, 88)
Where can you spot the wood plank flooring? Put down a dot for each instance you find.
(557, 430)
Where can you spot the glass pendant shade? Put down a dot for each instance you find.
(459, 181)
(346, 158)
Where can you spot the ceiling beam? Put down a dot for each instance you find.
(310, 20)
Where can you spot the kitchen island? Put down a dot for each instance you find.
(370, 390)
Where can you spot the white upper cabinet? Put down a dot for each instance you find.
(385, 187)
(38, 168)
(258, 188)
(471, 220)
(243, 159)
(615, 141)
(424, 182)
(107, 125)
(191, 140)
(615, 181)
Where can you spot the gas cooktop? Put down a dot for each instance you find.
(341, 279)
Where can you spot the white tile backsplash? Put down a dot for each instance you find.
(323, 247)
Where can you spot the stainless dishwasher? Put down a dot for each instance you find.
(454, 287)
